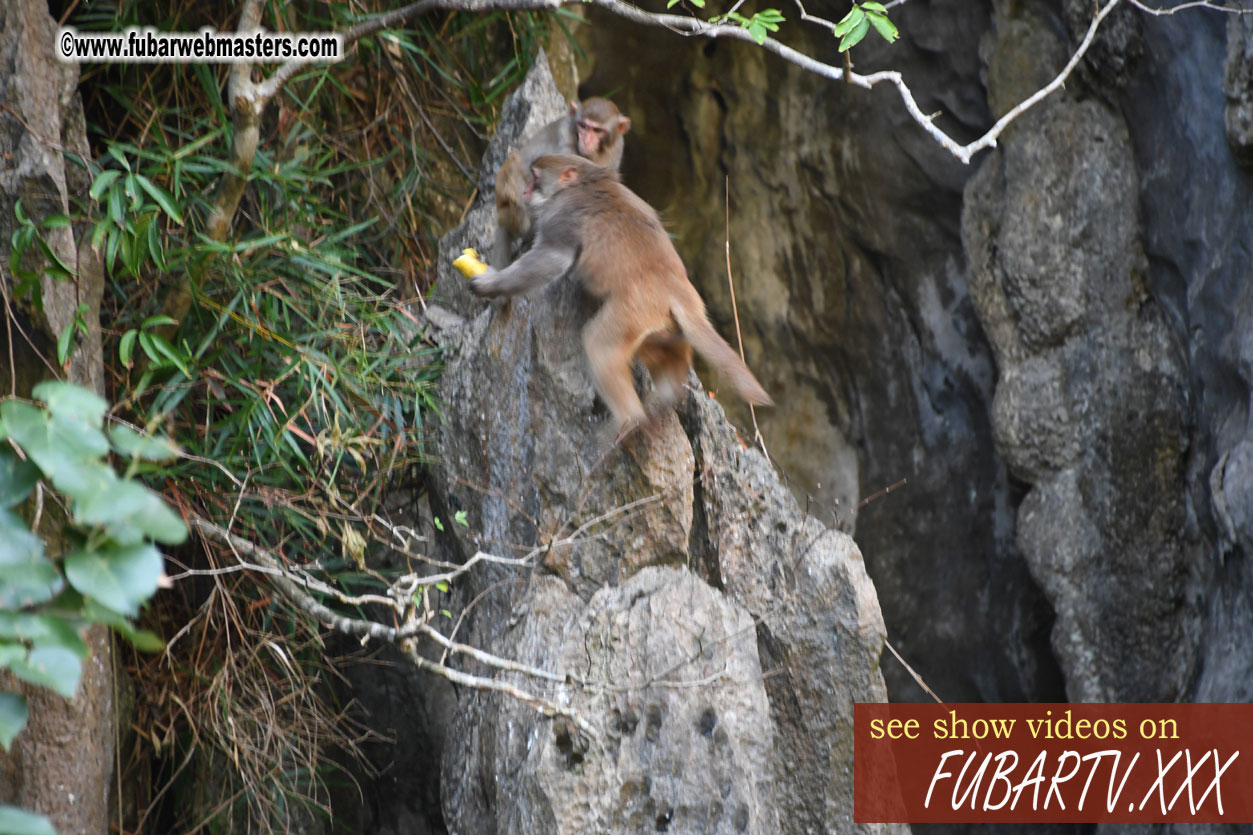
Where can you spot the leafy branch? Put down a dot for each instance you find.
(854, 25)
(55, 454)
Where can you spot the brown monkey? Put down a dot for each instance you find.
(587, 220)
(593, 129)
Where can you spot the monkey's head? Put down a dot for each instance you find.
(599, 123)
(554, 173)
(549, 175)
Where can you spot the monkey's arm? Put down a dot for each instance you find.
(543, 263)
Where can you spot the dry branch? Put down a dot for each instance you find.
(292, 588)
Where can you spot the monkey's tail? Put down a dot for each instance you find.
(720, 355)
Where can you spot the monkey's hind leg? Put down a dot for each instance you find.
(610, 342)
(667, 355)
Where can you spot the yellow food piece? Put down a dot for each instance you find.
(469, 264)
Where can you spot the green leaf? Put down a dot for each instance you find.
(128, 442)
(162, 346)
(132, 190)
(141, 639)
(120, 578)
(461, 519)
(71, 400)
(18, 546)
(65, 343)
(874, 7)
(26, 576)
(15, 821)
(98, 233)
(12, 720)
(57, 221)
(110, 249)
(117, 209)
(439, 526)
(442, 585)
(45, 630)
(855, 34)
(126, 508)
(849, 22)
(158, 321)
(882, 25)
(55, 268)
(54, 667)
(104, 179)
(28, 584)
(164, 199)
(67, 450)
(155, 251)
(17, 479)
(126, 347)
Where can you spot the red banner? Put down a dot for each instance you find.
(1055, 763)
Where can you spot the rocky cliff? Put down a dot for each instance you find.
(712, 635)
(1051, 344)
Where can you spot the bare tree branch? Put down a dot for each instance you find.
(1166, 11)
(693, 26)
(292, 588)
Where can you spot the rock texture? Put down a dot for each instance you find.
(852, 294)
(713, 635)
(1091, 401)
(1238, 83)
(1052, 344)
(1198, 225)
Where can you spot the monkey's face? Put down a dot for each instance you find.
(599, 124)
(592, 135)
(534, 193)
(546, 181)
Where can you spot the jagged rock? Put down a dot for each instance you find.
(713, 636)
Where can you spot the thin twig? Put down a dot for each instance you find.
(913, 672)
(735, 313)
(881, 493)
(808, 18)
(1195, 4)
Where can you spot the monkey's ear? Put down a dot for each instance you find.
(568, 175)
(574, 107)
(624, 124)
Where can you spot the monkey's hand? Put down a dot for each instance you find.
(486, 283)
(469, 264)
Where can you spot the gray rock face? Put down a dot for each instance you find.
(1197, 202)
(1238, 83)
(1091, 403)
(852, 295)
(713, 636)
(1064, 376)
